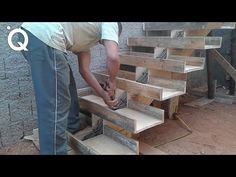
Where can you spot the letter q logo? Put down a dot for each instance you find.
(21, 46)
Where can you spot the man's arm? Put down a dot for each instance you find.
(113, 64)
(84, 60)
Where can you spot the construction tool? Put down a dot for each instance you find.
(121, 99)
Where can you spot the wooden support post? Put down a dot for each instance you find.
(210, 80)
(170, 106)
(233, 61)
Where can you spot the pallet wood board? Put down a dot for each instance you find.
(130, 143)
(153, 26)
(182, 43)
(109, 143)
(133, 86)
(224, 63)
(168, 83)
(145, 60)
(107, 146)
(192, 61)
(127, 118)
(167, 75)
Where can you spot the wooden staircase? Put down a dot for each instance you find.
(151, 78)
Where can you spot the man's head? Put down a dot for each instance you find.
(120, 28)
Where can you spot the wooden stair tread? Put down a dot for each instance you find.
(138, 120)
(154, 26)
(170, 93)
(95, 99)
(190, 68)
(110, 142)
(147, 90)
(180, 64)
(179, 43)
(107, 146)
(144, 121)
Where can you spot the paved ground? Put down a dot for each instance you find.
(213, 125)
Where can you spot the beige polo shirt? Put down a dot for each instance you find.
(73, 36)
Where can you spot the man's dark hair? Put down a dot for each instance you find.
(119, 27)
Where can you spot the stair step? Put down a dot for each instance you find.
(147, 90)
(179, 43)
(180, 64)
(154, 26)
(108, 143)
(129, 118)
(190, 68)
(105, 145)
(170, 93)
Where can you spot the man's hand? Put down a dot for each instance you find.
(110, 87)
(112, 103)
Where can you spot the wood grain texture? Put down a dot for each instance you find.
(147, 90)
(152, 26)
(182, 43)
(130, 143)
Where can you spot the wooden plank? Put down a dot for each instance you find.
(145, 149)
(137, 54)
(81, 134)
(148, 110)
(171, 106)
(121, 130)
(141, 99)
(153, 26)
(105, 145)
(151, 62)
(181, 52)
(167, 75)
(194, 61)
(133, 87)
(170, 93)
(143, 121)
(201, 32)
(179, 85)
(223, 62)
(95, 105)
(168, 42)
(126, 75)
(79, 146)
(127, 118)
(130, 143)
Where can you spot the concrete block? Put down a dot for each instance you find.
(12, 134)
(20, 110)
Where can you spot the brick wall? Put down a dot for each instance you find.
(17, 104)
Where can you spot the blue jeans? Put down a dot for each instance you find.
(55, 93)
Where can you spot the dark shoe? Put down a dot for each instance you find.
(83, 123)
